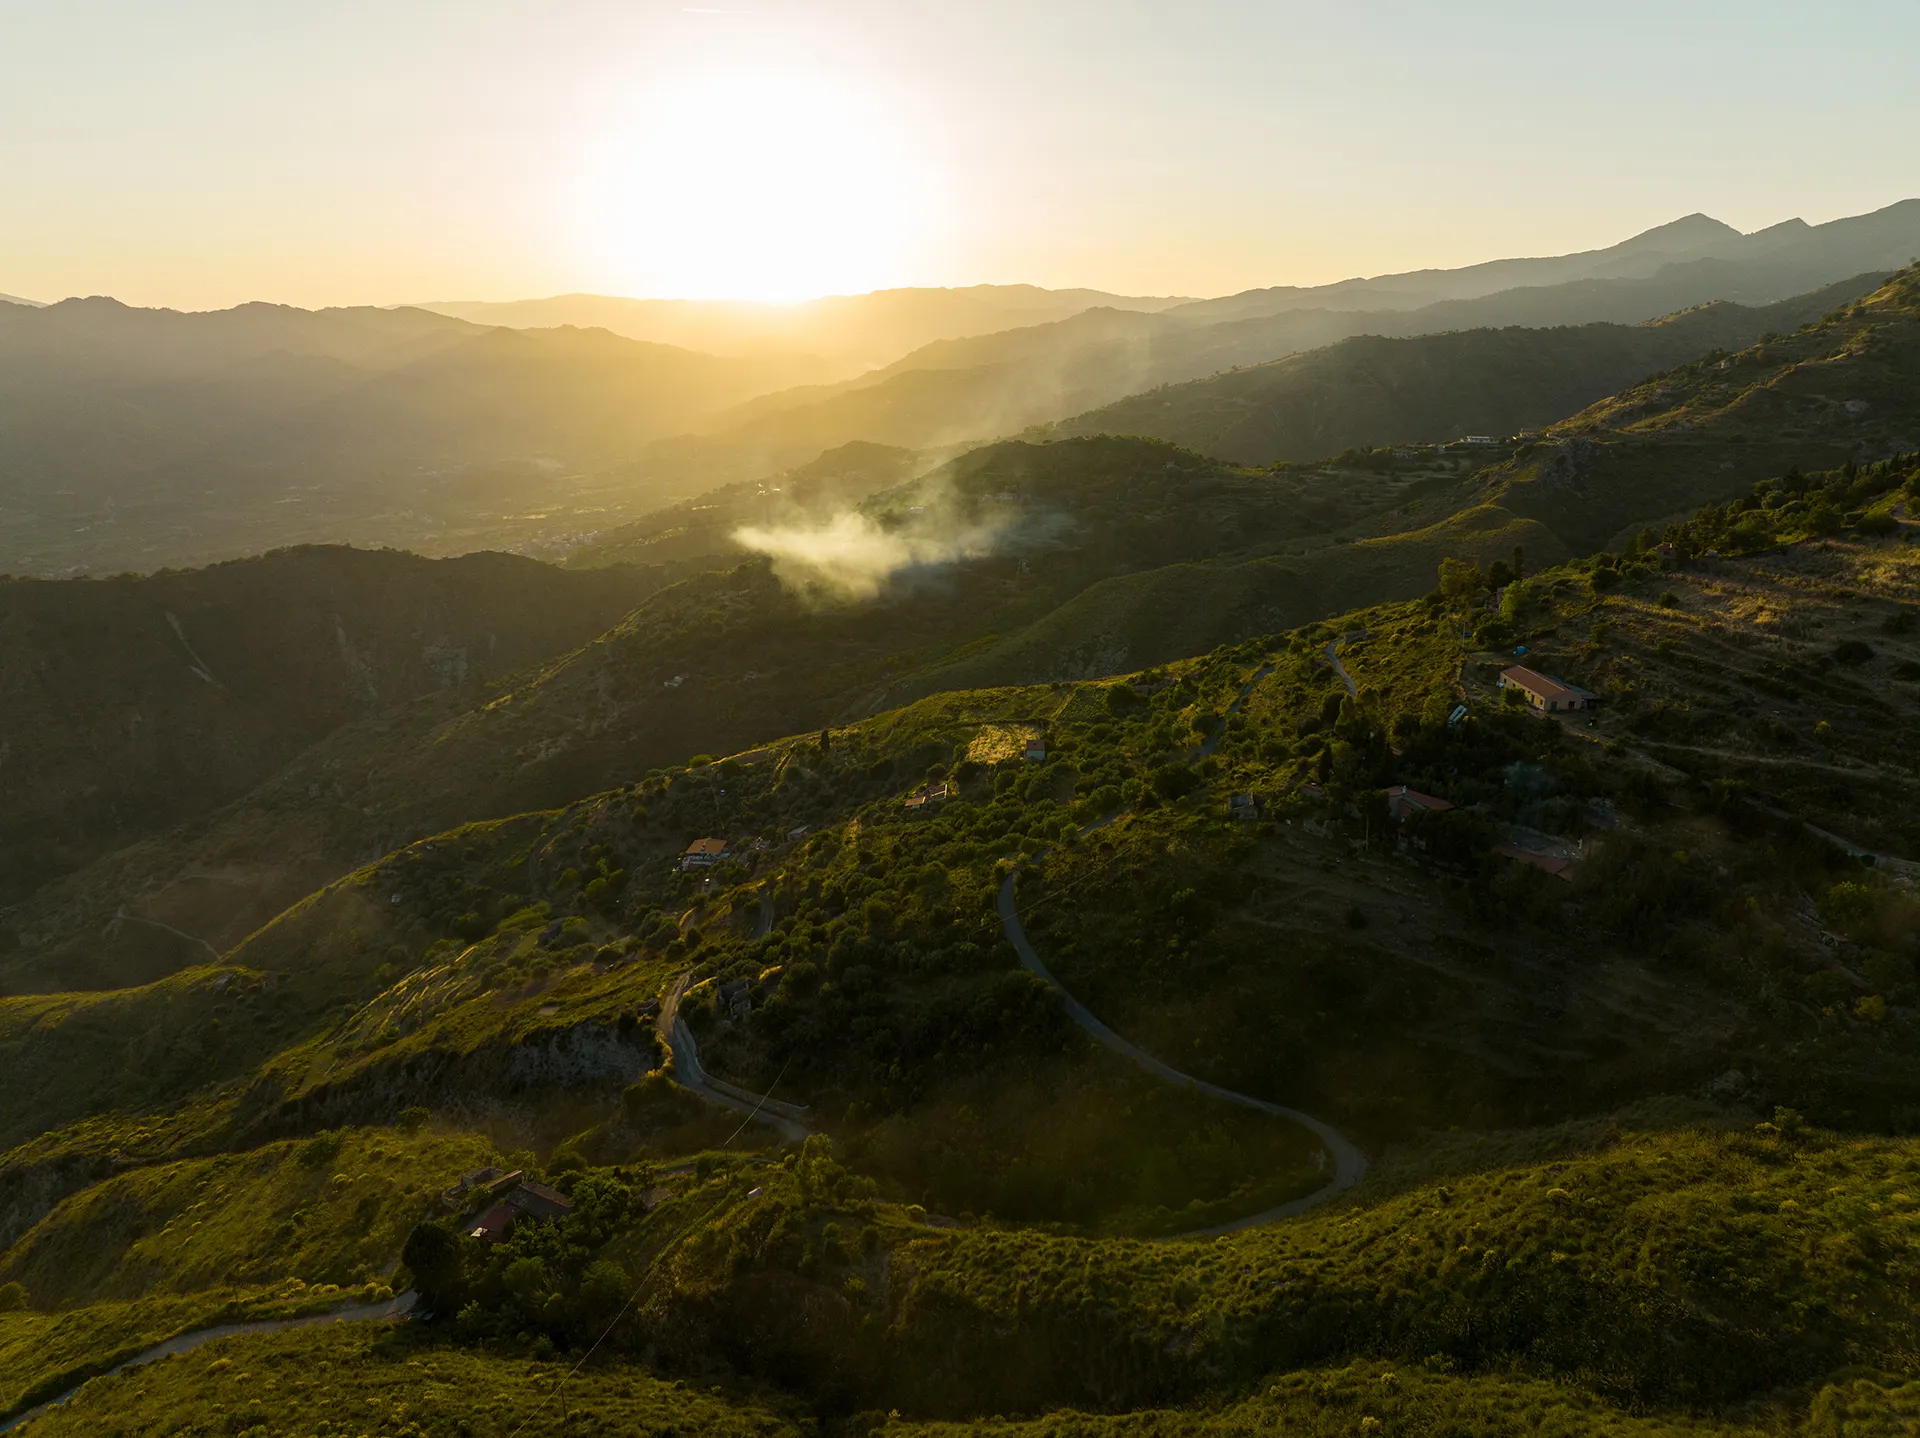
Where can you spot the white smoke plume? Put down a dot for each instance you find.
(852, 556)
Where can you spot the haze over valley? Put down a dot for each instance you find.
(238, 431)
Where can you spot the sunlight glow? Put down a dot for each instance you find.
(756, 185)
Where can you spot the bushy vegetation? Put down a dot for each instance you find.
(1424, 1399)
(342, 1380)
(1674, 1268)
(1677, 1270)
(1794, 507)
(1092, 1145)
(546, 1279)
(331, 1209)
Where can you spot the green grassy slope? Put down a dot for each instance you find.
(322, 1380)
(161, 1249)
(70, 1055)
(331, 1209)
(1675, 1271)
(1124, 623)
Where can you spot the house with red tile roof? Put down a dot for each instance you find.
(519, 1197)
(1544, 692)
(1403, 803)
(1557, 865)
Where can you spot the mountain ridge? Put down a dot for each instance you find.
(1038, 375)
(1378, 390)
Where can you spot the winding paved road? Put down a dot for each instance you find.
(689, 1074)
(1349, 1164)
(391, 1311)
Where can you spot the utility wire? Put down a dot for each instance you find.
(641, 1286)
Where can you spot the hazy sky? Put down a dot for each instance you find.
(202, 152)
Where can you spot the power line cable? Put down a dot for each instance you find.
(641, 1285)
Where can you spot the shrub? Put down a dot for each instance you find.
(1825, 987)
(1494, 633)
(435, 1257)
(13, 1297)
(1174, 781)
(1852, 652)
(651, 1095)
(1849, 908)
(1823, 518)
(319, 1151)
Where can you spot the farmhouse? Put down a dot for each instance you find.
(703, 854)
(1557, 865)
(479, 1178)
(922, 801)
(1036, 750)
(520, 1197)
(1403, 803)
(1544, 692)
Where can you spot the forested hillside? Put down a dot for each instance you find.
(133, 704)
(1655, 1181)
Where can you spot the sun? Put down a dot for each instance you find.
(756, 185)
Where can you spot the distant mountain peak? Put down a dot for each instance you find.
(1689, 232)
(17, 300)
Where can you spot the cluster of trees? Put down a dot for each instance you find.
(1797, 505)
(546, 1280)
